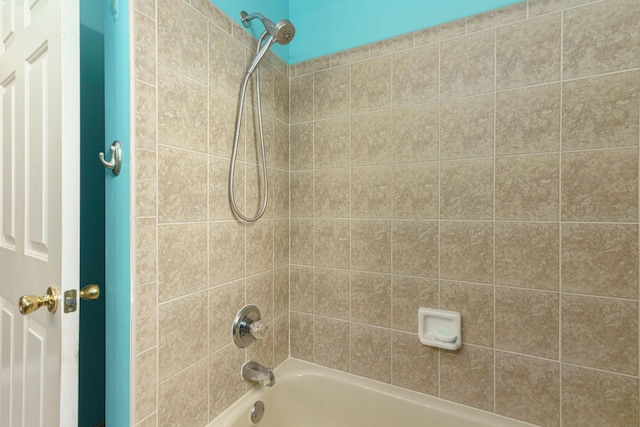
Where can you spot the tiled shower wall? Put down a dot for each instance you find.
(195, 266)
(487, 166)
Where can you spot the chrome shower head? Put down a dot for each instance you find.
(282, 31)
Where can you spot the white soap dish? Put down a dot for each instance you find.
(440, 328)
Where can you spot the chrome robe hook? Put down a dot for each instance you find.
(116, 158)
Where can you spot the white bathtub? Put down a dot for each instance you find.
(307, 395)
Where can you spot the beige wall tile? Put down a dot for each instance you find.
(148, 7)
(527, 255)
(414, 365)
(601, 112)
(144, 48)
(391, 45)
(224, 303)
(415, 191)
(528, 120)
(331, 243)
(226, 62)
(260, 293)
(528, 389)
(301, 243)
(332, 143)
(301, 148)
(371, 85)
(497, 17)
(371, 138)
(226, 252)
(371, 191)
(222, 124)
(182, 111)
(313, 65)
(281, 291)
(528, 53)
(259, 247)
(332, 343)
(280, 339)
(281, 242)
(600, 185)
(331, 90)
(467, 128)
(408, 295)
(182, 400)
(598, 398)
(182, 260)
(516, 311)
(150, 421)
(225, 385)
(332, 193)
(302, 337)
(415, 134)
(439, 33)
(473, 367)
(466, 189)
(475, 304)
(281, 142)
(411, 87)
(301, 99)
(145, 316)
(527, 188)
(587, 338)
(213, 14)
(182, 332)
(601, 38)
(219, 204)
(332, 293)
(542, 7)
(182, 192)
(415, 248)
(186, 54)
(301, 298)
(146, 250)
(371, 298)
(281, 97)
(146, 118)
(371, 352)
(467, 65)
(466, 251)
(600, 259)
(279, 186)
(302, 194)
(371, 245)
(350, 56)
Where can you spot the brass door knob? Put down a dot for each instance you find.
(30, 303)
(90, 292)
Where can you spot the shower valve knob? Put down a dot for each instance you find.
(248, 326)
(259, 329)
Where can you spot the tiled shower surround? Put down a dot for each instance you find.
(487, 166)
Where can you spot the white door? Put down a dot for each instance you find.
(39, 201)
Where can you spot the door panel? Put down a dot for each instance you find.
(38, 238)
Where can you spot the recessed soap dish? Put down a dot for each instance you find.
(440, 328)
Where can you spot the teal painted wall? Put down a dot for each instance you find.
(91, 386)
(117, 217)
(328, 26)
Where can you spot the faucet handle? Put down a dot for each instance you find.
(259, 329)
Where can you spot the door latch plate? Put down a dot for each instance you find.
(70, 301)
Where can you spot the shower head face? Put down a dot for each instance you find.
(283, 32)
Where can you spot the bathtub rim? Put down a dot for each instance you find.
(293, 367)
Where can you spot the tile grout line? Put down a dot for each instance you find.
(560, 223)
